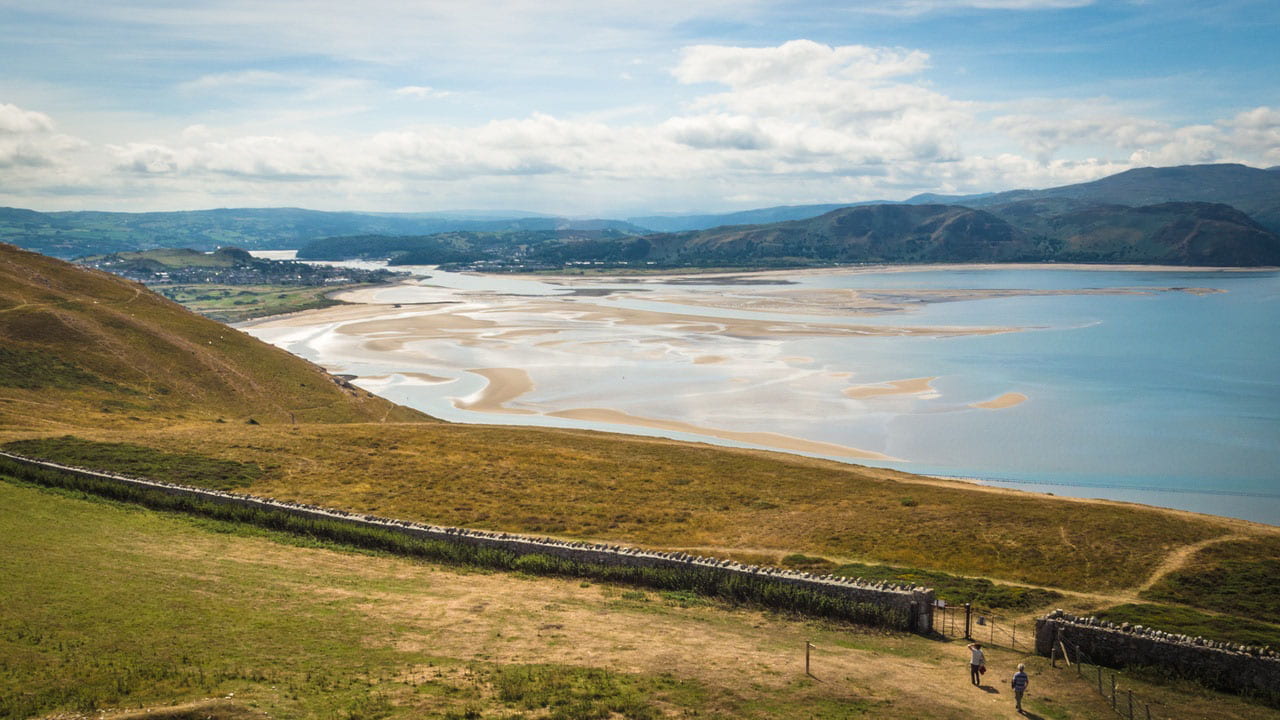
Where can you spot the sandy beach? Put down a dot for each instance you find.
(913, 386)
(1006, 400)
(505, 385)
(764, 439)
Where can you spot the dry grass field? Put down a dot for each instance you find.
(144, 610)
(661, 493)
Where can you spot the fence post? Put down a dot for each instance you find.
(1100, 691)
(968, 618)
(1148, 712)
(1130, 704)
(1113, 691)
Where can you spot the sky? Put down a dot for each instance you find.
(614, 108)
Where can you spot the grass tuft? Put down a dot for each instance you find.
(136, 460)
(1239, 577)
(1195, 623)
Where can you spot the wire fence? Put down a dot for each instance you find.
(1108, 683)
(984, 626)
(980, 625)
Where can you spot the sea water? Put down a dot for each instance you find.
(1143, 394)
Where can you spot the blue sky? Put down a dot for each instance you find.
(615, 108)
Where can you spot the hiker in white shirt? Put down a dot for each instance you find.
(977, 663)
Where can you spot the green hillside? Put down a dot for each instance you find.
(1172, 233)
(93, 347)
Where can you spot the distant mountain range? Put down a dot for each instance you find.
(782, 213)
(77, 234)
(1196, 214)
(1027, 231)
(1255, 192)
(1251, 190)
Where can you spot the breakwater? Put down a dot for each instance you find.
(1245, 669)
(905, 607)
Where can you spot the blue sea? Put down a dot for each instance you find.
(1146, 393)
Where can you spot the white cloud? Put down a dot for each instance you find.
(422, 92)
(797, 60)
(1098, 125)
(855, 91)
(14, 121)
(29, 140)
(1256, 133)
(798, 122)
(244, 78)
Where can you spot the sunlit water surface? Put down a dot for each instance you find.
(1166, 398)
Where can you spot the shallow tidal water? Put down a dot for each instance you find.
(1159, 387)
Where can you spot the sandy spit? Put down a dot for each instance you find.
(765, 439)
(1006, 400)
(913, 386)
(505, 385)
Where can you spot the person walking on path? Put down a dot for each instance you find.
(1020, 681)
(977, 663)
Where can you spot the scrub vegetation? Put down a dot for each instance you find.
(1236, 576)
(236, 303)
(1195, 623)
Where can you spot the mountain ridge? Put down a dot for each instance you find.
(1254, 191)
(73, 234)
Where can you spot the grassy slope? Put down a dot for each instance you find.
(164, 361)
(135, 608)
(1228, 577)
(662, 493)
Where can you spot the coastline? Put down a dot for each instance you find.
(505, 385)
(731, 355)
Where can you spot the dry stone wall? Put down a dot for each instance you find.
(914, 602)
(1244, 669)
